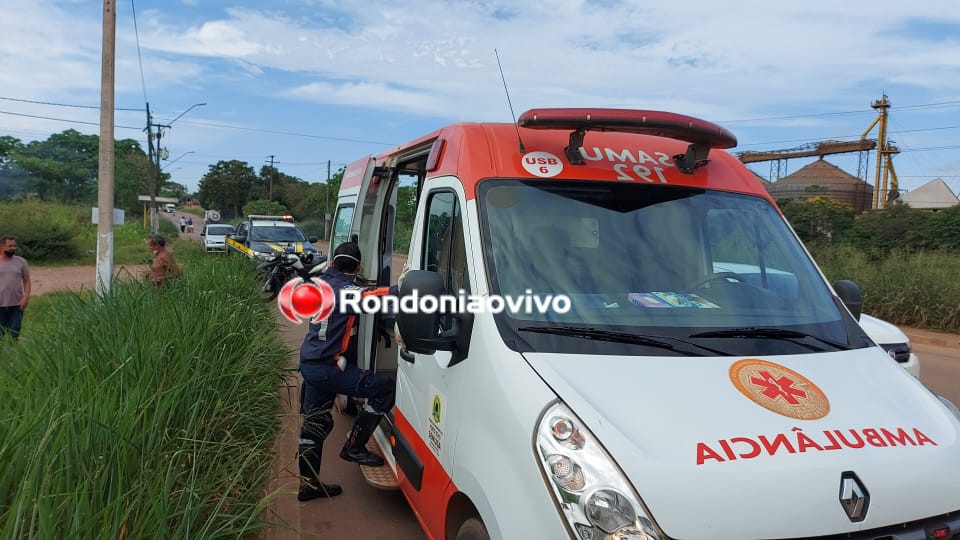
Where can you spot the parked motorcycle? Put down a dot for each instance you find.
(285, 266)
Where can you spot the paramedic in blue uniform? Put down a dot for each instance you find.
(329, 367)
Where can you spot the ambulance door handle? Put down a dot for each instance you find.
(406, 355)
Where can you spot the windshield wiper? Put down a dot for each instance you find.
(620, 337)
(771, 333)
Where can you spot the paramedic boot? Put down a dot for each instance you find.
(308, 457)
(356, 448)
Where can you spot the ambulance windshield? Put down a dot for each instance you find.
(657, 261)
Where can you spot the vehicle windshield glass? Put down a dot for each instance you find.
(654, 260)
(219, 230)
(273, 233)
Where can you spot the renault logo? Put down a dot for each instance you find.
(854, 498)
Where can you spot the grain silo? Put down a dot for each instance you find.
(824, 179)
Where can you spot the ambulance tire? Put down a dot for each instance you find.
(473, 529)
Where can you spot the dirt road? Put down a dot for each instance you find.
(46, 279)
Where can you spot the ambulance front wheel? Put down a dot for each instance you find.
(473, 529)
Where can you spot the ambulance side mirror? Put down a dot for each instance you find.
(850, 295)
(421, 331)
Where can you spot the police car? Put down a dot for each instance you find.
(261, 237)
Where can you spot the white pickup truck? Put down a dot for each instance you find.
(893, 341)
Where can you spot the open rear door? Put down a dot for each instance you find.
(369, 219)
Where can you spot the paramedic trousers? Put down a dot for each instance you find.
(322, 382)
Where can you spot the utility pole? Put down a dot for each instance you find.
(105, 171)
(326, 204)
(270, 181)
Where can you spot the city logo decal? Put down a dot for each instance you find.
(779, 389)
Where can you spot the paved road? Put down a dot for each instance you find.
(940, 369)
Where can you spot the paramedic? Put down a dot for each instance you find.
(329, 367)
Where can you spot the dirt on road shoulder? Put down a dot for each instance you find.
(46, 279)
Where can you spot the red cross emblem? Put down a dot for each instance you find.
(774, 387)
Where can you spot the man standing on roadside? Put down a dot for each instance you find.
(164, 265)
(14, 287)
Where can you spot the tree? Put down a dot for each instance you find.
(227, 186)
(943, 229)
(9, 145)
(132, 176)
(818, 218)
(897, 226)
(265, 207)
(63, 167)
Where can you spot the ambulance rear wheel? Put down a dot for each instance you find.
(473, 529)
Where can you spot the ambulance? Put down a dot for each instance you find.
(705, 382)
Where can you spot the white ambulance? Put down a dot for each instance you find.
(707, 382)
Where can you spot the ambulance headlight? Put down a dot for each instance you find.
(591, 492)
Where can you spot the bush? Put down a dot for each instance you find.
(143, 414)
(44, 231)
(897, 227)
(943, 229)
(915, 289)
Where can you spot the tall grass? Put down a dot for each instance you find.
(916, 289)
(149, 413)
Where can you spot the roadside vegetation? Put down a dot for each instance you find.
(905, 260)
(147, 413)
(62, 234)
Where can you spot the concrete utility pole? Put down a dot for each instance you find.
(105, 166)
(154, 178)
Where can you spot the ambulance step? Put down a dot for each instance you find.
(379, 477)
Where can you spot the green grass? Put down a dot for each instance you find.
(147, 413)
(916, 289)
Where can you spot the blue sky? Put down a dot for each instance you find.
(347, 79)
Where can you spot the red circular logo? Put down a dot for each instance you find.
(300, 300)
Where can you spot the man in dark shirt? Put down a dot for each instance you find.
(329, 367)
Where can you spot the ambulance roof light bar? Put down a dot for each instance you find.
(701, 135)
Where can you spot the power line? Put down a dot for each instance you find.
(839, 137)
(838, 113)
(136, 31)
(793, 117)
(278, 132)
(64, 120)
(63, 104)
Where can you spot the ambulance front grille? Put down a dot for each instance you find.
(945, 527)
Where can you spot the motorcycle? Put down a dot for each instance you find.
(285, 266)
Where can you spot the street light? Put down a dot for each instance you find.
(185, 112)
(155, 223)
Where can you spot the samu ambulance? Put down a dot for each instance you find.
(706, 382)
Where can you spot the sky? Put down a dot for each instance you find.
(317, 81)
